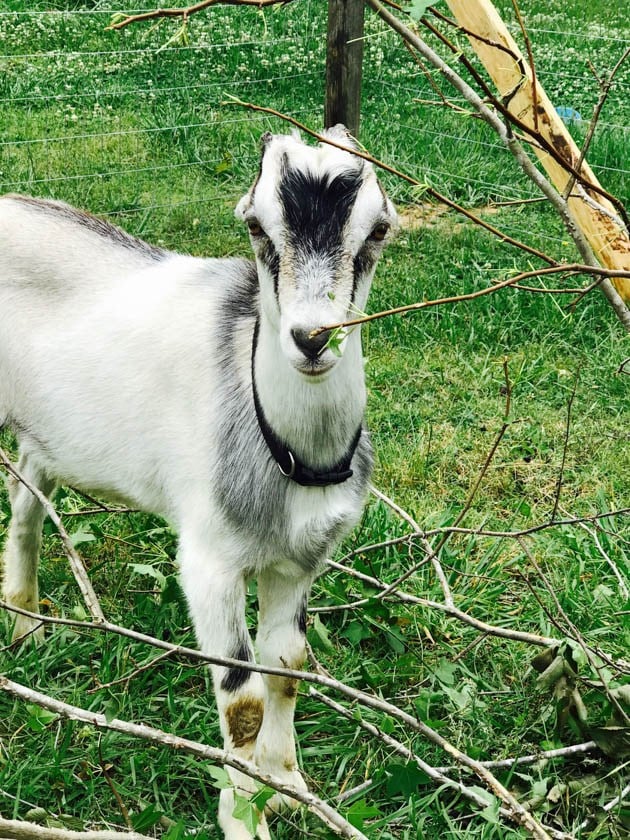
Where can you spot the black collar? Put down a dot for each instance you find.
(289, 464)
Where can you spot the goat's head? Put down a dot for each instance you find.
(318, 220)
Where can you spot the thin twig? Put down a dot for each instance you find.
(565, 447)
(497, 285)
(317, 806)
(139, 670)
(605, 87)
(504, 237)
(530, 57)
(431, 554)
(455, 612)
(534, 758)
(623, 588)
(105, 771)
(187, 11)
(19, 830)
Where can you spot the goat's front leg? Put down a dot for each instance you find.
(281, 644)
(216, 597)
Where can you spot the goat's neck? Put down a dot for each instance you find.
(317, 420)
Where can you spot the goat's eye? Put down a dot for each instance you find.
(379, 232)
(255, 228)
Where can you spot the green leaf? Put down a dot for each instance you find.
(491, 812)
(117, 17)
(336, 337)
(220, 776)
(176, 832)
(445, 672)
(247, 812)
(262, 796)
(171, 591)
(149, 571)
(404, 779)
(79, 613)
(461, 699)
(146, 818)
(361, 811)
(356, 632)
(111, 708)
(417, 8)
(318, 635)
(40, 718)
(80, 536)
(488, 798)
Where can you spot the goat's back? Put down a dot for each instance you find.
(109, 349)
(54, 246)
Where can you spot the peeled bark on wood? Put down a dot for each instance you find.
(596, 217)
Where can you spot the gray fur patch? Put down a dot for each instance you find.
(254, 495)
(94, 224)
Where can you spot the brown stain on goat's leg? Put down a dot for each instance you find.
(290, 688)
(244, 718)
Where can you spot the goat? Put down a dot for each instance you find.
(194, 389)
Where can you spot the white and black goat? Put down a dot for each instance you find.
(194, 389)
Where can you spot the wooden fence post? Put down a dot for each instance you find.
(344, 64)
(595, 215)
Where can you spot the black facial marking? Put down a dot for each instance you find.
(363, 263)
(237, 677)
(300, 618)
(316, 209)
(269, 257)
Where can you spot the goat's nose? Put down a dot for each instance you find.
(311, 347)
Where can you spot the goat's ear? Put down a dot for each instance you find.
(265, 140)
(341, 134)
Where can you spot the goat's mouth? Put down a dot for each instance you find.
(314, 368)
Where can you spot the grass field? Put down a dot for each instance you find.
(132, 126)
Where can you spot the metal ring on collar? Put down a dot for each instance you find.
(291, 471)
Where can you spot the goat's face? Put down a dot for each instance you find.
(318, 220)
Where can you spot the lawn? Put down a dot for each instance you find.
(133, 125)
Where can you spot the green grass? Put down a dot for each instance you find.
(112, 123)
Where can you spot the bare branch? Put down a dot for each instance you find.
(317, 806)
(185, 12)
(454, 612)
(19, 830)
(431, 553)
(511, 282)
(605, 87)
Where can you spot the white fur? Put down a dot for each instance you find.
(115, 378)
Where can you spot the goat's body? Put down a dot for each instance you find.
(93, 372)
(168, 380)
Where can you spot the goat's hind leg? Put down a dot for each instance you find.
(21, 552)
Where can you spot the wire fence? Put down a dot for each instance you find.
(133, 122)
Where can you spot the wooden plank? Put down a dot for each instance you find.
(344, 64)
(512, 76)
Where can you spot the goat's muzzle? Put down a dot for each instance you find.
(310, 345)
